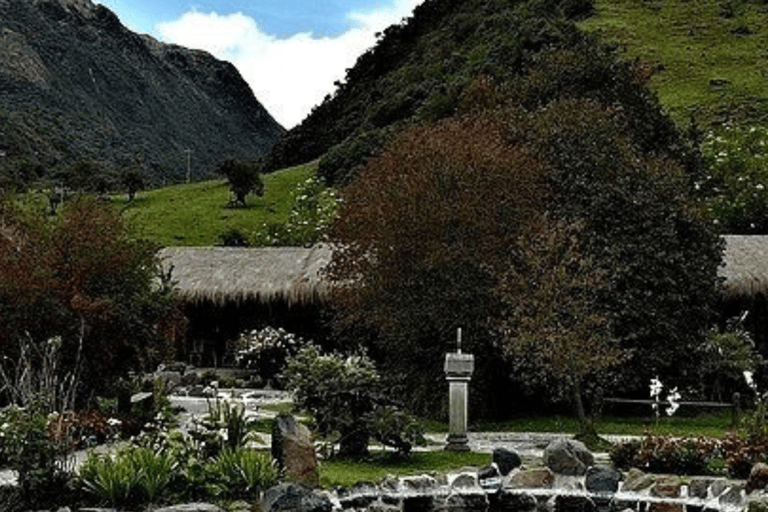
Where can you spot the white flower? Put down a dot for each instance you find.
(673, 398)
(656, 387)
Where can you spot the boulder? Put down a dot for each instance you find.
(538, 478)
(699, 487)
(574, 504)
(506, 460)
(293, 449)
(604, 479)
(505, 501)
(568, 457)
(669, 486)
(758, 477)
(465, 481)
(636, 480)
(292, 497)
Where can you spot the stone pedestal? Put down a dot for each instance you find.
(458, 372)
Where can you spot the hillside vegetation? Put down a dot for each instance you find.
(706, 58)
(196, 214)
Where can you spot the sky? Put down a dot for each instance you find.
(289, 51)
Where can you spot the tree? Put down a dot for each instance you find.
(243, 179)
(422, 234)
(551, 313)
(133, 180)
(458, 220)
(83, 277)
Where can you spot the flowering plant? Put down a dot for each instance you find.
(266, 350)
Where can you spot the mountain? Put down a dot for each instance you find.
(76, 85)
(419, 70)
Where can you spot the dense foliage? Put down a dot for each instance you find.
(451, 210)
(243, 179)
(81, 276)
(348, 403)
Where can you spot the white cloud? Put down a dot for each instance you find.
(290, 75)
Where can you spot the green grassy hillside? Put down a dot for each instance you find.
(196, 214)
(707, 57)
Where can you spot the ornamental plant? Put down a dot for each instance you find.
(347, 401)
(266, 351)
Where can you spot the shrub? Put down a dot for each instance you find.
(226, 426)
(243, 473)
(345, 398)
(266, 351)
(134, 475)
(735, 186)
(666, 454)
(312, 211)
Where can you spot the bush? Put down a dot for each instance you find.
(226, 426)
(266, 351)
(312, 211)
(243, 473)
(345, 398)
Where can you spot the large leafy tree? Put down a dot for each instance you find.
(422, 234)
(458, 221)
(82, 276)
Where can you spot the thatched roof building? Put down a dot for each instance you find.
(745, 266)
(226, 275)
(292, 275)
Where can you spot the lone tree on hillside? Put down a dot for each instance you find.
(243, 179)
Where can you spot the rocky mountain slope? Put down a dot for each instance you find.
(77, 85)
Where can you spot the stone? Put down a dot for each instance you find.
(191, 507)
(465, 481)
(470, 502)
(292, 497)
(538, 478)
(505, 501)
(488, 472)
(668, 486)
(733, 496)
(635, 480)
(718, 487)
(382, 506)
(574, 504)
(758, 477)
(293, 450)
(506, 460)
(568, 457)
(417, 504)
(666, 506)
(602, 479)
(699, 487)
(418, 484)
(361, 495)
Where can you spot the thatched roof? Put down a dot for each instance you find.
(232, 274)
(746, 265)
(292, 274)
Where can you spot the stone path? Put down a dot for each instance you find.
(528, 445)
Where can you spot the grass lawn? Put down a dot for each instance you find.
(383, 465)
(195, 214)
(704, 424)
(707, 56)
